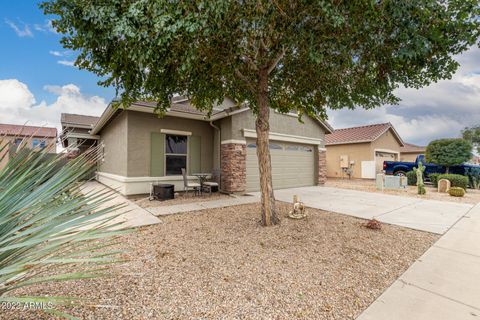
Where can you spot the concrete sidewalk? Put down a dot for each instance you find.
(187, 207)
(426, 215)
(443, 284)
(133, 215)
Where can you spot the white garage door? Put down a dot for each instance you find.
(380, 157)
(293, 165)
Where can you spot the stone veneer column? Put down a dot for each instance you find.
(322, 166)
(233, 167)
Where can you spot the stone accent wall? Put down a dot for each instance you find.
(322, 167)
(233, 167)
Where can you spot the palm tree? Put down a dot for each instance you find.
(47, 223)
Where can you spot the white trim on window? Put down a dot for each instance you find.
(165, 154)
(248, 133)
(176, 132)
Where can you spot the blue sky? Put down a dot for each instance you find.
(29, 57)
(38, 82)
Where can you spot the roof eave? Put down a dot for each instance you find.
(349, 142)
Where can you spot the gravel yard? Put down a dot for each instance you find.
(471, 196)
(180, 198)
(221, 264)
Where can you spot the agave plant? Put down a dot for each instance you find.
(48, 223)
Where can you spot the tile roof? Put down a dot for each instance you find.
(27, 131)
(367, 133)
(412, 148)
(78, 119)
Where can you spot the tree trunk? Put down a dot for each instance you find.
(262, 126)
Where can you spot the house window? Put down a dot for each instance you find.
(175, 154)
(274, 146)
(38, 143)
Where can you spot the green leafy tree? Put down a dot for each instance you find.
(472, 134)
(47, 224)
(448, 152)
(305, 56)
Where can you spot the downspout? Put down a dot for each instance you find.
(219, 150)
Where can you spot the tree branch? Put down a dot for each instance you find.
(250, 63)
(245, 80)
(275, 61)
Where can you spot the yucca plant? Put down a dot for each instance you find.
(49, 225)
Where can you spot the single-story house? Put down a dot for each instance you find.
(360, 151)
(409, 152)
(140, 148)
(76, 129)
(27, 136)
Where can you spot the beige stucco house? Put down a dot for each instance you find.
(409, 152)
(13, 137)
(361, 151)
(140, 148)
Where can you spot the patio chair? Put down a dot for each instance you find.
(190, 185)
(208, 186)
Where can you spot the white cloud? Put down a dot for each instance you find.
(45, 27)
(20, 31)
(441, 110)
(56, 53)
(18, 104)
(69, 63)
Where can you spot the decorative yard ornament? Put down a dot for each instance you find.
(298, 211)
(419, 172)
(300, 56)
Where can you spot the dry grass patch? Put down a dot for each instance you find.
(221, 264)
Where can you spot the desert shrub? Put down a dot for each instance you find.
(456, 192)
(473, 175)
(448, 152)
(411, 178)
(456, 180)
(47, 222)
(434, 178)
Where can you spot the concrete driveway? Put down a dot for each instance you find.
(426, 215)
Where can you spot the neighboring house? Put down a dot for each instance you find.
(409, 152)
(140, 148)
(362, 150)
(16, 136)
(76, 131)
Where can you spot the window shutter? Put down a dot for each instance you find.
(157, 154)
(194, 153)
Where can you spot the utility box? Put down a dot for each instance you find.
(344, 162)
(390, 182)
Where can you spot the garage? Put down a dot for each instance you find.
(380, 157)
(293, 165)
